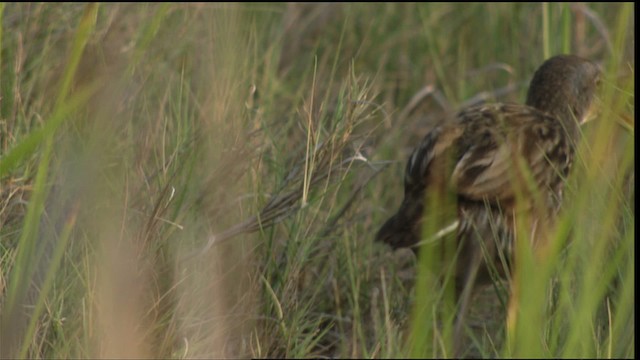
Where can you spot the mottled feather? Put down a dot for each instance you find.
(486, 155)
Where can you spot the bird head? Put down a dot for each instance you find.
(565, 86)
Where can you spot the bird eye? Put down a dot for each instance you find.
(598, 81)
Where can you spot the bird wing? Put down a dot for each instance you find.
(436, 145)
(504, 145)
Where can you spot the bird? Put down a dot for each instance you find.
(491, 158)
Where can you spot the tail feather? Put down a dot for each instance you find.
(403, 228)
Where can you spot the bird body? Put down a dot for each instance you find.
(501, 162)
(483, 144)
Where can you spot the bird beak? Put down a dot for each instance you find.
(593, 112)
(596, 109)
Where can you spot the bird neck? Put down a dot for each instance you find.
(569, 120)
(559, 109)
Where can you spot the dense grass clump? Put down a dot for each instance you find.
(205, 180)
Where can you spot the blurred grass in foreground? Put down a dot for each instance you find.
(130, 134)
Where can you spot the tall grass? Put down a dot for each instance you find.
(206, 180)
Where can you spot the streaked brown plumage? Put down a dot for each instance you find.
(484, 144)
